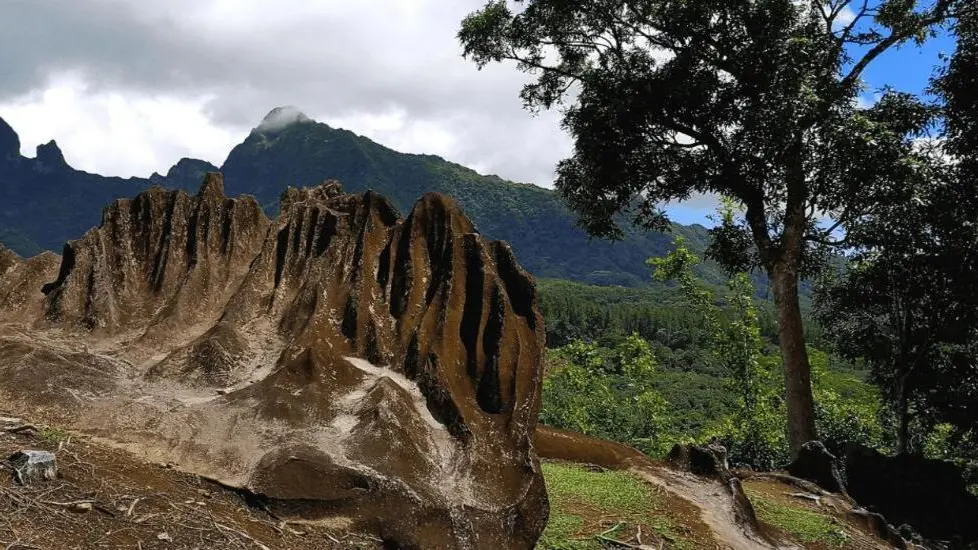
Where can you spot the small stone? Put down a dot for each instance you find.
(164, 536)
(80, 507)
(33, 466)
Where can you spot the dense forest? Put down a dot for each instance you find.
(596, 336)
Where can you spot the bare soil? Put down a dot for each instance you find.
(107, 498)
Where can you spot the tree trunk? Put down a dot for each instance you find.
(903, 410)
(797, 372)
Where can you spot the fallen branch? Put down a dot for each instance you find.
(132, 507)
(68, 504)
(617, 542)
(21, 428)
(241, 534)
(807, 496)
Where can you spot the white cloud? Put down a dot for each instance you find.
(845, 17)
(114, 133)
(127, 87)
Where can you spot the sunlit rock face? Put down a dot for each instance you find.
(352, 366)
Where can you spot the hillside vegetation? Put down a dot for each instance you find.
(46, 202)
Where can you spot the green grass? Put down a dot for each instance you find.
(803, 525)
(574, 490)
(53, 435)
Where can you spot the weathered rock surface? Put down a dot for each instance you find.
(816, 464)
(33, 466)
(929, 495)
(342, 362)
(21, 282)
(711, 461)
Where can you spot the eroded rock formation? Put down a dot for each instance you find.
(20, 284)
(342, 362)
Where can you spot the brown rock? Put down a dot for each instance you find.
(816, 464)
(21, 282)
(158, 263)
(379, 370)
(711, 461)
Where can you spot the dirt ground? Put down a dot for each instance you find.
(105, 498)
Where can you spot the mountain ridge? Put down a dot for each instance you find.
(46, 203)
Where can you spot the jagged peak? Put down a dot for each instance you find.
(323, 192)
(9, 141)
(7, 258)
(190, 166)
(280, 118)
(213, 186)
(50, 155)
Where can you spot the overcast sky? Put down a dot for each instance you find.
(127, 87)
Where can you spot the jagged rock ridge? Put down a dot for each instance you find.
(342, 362)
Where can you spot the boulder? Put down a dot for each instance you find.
(707, 460)
(928, 495)
(21, 282)
(816, 464)
(33, 466)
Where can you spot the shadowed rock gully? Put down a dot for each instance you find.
(346, 364)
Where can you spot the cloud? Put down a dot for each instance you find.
(280, 117)
(845, 17)
(123, 84)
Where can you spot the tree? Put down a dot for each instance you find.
(755, 100)
(605, 392)
(906, 303)
(736, 343)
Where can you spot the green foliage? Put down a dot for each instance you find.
(617, 495)
(802, 524)
(907, 304)
(756, 101)
(754, 433)
(53, 435)
(695, 372)
(847, 409)
(607, 393)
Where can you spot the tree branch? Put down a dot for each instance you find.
(940, 13)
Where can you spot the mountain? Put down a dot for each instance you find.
(45, 201)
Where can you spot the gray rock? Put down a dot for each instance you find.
(816, 464)
(33, 466)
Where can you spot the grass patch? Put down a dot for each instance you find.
(583, 502)
(52, 435)
(800, 523)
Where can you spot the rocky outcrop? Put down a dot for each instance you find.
(158, 263)
(9, 142)
(816, 464)
(557, 444)
(342, 362)
(21, 282)
(929, 495)
(50, 158)
(710, 461)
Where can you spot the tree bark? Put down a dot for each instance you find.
(903, 410)
(797, 371)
